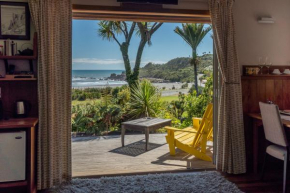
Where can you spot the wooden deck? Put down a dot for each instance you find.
(98, 156)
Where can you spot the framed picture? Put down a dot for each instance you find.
(14, 21)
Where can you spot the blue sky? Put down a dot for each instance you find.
(90, 52)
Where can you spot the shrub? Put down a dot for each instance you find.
(83, 118)
(184, 86)
(88, 93)
(140, 101)
(96, 118)
(196, 105)
(144, 100)
(177, 108)
(123, 96)
(192, 89)
(81, 97)
(115, 91)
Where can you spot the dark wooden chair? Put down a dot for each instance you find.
(275, 133)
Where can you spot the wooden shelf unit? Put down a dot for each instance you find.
(18, 79)
(12, 90)
(18, 57)
(266, 77)
(265, 72)
(12, 78)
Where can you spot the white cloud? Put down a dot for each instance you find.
(96, 61)
(111, 61)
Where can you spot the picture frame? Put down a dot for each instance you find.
(14, 20)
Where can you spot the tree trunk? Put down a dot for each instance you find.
(194, 57)
(124, 51)
(195, 78)
(132, 78)
(138, 59)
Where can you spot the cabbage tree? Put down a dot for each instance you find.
(144, 100)
(193, 34)
(110, 30)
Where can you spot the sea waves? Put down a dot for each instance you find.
(89, 82)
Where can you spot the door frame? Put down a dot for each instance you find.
(155, 13)
(139, 12)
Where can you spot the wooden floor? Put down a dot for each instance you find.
(98, 156)
(251, 183)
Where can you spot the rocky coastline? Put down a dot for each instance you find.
(122, 77)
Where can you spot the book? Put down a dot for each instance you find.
(7, 48)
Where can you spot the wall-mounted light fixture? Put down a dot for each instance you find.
(266, 20)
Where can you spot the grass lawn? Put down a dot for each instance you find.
(169, 98)
(164, 98)
(75, 102)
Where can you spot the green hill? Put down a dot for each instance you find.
(178, 69)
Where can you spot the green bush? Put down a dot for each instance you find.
(144, 100)
(177, 108)
(87, 93)
(196, 105)
(119, 105)
(192, 89)
(184, 86)
(81, 97)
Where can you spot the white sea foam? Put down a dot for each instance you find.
(98, 83)
(94, 78)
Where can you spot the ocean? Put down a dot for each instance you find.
(94, 78)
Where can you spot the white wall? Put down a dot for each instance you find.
(254, 39)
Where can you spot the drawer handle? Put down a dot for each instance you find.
(18, 137)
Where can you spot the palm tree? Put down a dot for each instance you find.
(193, 34)
(110, 30)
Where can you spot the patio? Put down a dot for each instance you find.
(97, 156)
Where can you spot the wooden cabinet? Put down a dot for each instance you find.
(262, 88)
(30, 126)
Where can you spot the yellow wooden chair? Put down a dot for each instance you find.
(193, 140)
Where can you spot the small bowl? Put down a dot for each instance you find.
(276, 72)
(286, 71)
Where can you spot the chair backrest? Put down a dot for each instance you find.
(273, 127)
(205, 127)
